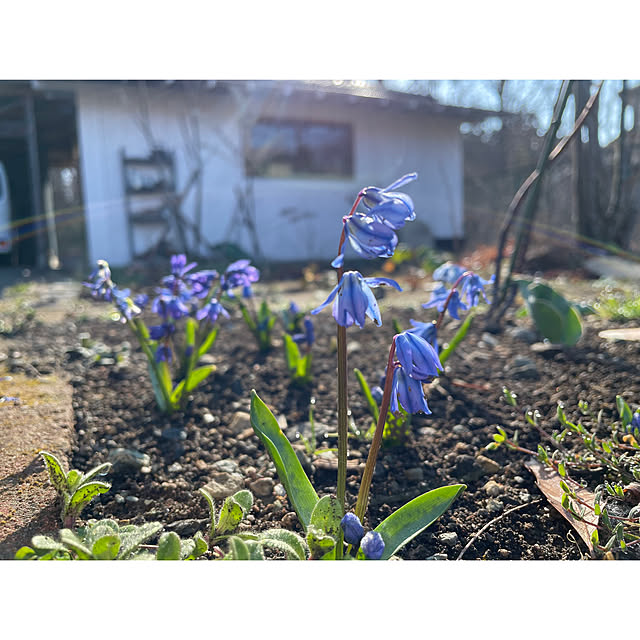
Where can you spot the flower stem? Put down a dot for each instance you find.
(367, 475)
(343, 434)
(446, 302)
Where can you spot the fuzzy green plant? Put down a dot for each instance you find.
(75, 489)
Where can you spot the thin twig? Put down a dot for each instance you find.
(486, 526)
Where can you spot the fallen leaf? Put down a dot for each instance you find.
(548, 480)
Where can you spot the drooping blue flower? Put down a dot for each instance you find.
(211, 311)
(239, 274)
(170, 304)
(163, 353)
(354, 299)
(401, 206)
(417, 357)
(427, 331)
(160, 331)
(448, 272)
(372, 545)
(247, 291)
(377, 393)
(308, 336)
(124, 303)
(100, 281)
(635, 421)
(473, 286)
(141, 300)
(201, 281)
(439, 297)
(369, 237)
(352, 528)
(408, 392)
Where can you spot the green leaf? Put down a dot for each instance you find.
(200, 547)
(320, 544)
(190, 332)
(247, 318)
(295, 547)
(291, 353)
(212, 510)
(132, 536)
(157, 389)
(198, 375)
(74, 478)
(25, 553)
(177, 392)
(84, 494)
(100, 470)
(56, 473)
(366, 391)
(231, 514)
(106, 548)
(46, 543)
(624, 411)
(208, 342)
(326, 516)
(238, 549)
(457, 339)
(298, 487)
(168, 546)
(415, 516)
(245, 499)
(72, 541)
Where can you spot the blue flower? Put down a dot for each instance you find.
(309, 333)
(448, 272)
(369, 237)
(399, 206)
(417, 357)
(163, 353)
(427, 331)
(211, 311)
(352, 528)
(372, 545)
(170, 304)
(473, 287)
(124, 303)
(100, 281)
(408, 392)
(355, 299)
(439, 297)
(635, 421)
(201, 281)
(239, 274)
(160, 331)
(141, 300)
(247, 291)
(377, 393)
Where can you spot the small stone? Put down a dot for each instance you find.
(224, 484)
(201, 465)
(427, 431)
(176, 467)
(353, 346)
(240, 421)
(519, 480)
(187, 527)
(279, 490)
(476, 422)
(522, 334)
(262, 487)
(489, 340)
(227, 466)
(438, 556)
(525, 496)
(174, 433)
(246, 434)
(132, 499)
(126, 461)
(119, 498)
(523, 368)
(487, 465)
(450, 538)
(493, 489)
(207, 418)
(459, 429)
(416, 474)
(505, 554)
(289, 520)
(494, 506)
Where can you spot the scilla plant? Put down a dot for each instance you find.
(298, 339)
(187, 298)
(411, 361)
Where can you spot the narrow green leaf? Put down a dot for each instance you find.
(291, 353)
(158, 392)
(212, 510)
(624, 411)
(247, 318)
(106, 548)
(198, 375)
(374, 410)
(415, 516)
(56, 473)
(177, 392)
(296, 483)
(168, 546)
(190, 331)
(100, 470)
(457, 339)
(208, 342)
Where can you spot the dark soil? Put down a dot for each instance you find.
(114, 407)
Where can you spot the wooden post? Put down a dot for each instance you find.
(34, 174)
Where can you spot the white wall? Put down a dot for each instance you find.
(386, 145)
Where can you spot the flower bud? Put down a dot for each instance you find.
(372, 545)
(353, 529)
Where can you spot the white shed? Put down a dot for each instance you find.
(270, 166)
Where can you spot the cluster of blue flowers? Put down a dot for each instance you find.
(371, 543)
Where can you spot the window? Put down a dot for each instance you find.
(281, 149)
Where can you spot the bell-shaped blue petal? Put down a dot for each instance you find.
(370, 237)
(427, 331)
(394, 212)
(352, 528)
(407, 392)
(417, 357)
(448, 272)
(372, 545)
(353, 299)
(473, 287)
(373, 196)
(439, 298)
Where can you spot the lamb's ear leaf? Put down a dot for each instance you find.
(56, 473)
(296, 483)
(414, 517)
(168, 546)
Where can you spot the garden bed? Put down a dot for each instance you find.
(212, 440)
